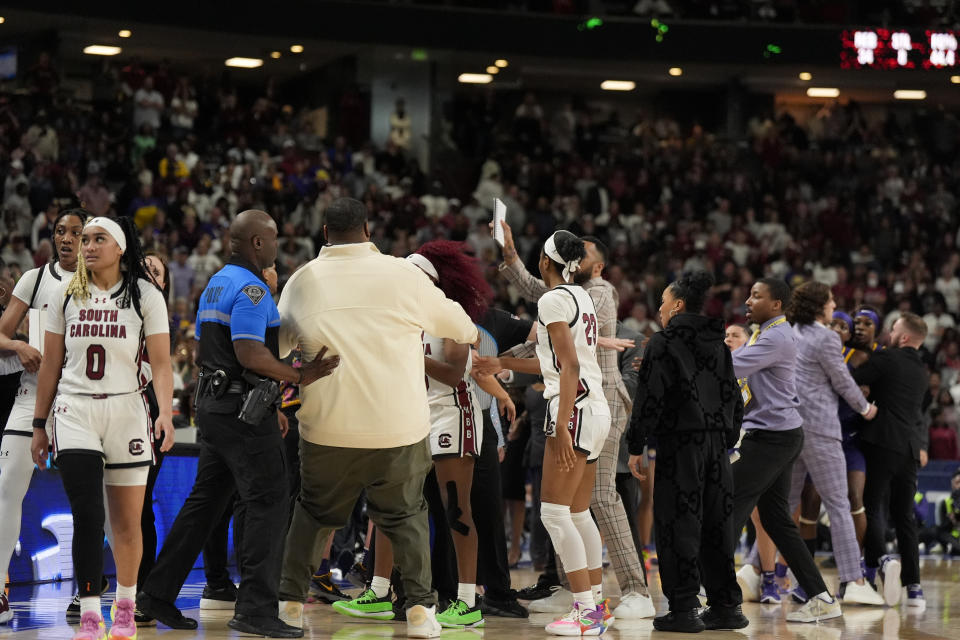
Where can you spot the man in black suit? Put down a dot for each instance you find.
(892, 446)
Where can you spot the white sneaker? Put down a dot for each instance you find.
(422, 622)
(816, 609)
(889, 576)
(560, 601)
(634, 606)
(568, 625)
(749, 581)
(854, 593)
(291, 612)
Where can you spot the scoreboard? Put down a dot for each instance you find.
(898, 49)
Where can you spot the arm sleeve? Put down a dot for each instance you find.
(830, 354)
(758, 356)
(25, 285)
(648, 405)
(248, 319)
(154, 310)
(441, 317)
(530, 288)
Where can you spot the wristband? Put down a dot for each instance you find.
(39, 423)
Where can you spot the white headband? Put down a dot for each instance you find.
(569, 267)
(425, 265)
(110, 227)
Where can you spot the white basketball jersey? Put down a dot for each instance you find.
(104, 343)
(571, 305)
(49, 296)
(440, 394)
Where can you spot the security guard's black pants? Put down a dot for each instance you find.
(234, 457)
(693, 511)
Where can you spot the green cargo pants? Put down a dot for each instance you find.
(332, 479)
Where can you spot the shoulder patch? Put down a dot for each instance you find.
(255, 293)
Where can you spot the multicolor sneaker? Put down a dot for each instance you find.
(579, 622)
(124, 625)
(6, 615)
(367, 605)
(322, 589)
(915, 599)
(460, 615)
(594, 622)
(769, 591)
(91, 627)
(607, 612)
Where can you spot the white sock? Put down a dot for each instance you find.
(597, 590)
(585, 600)
(90, 603)
(825, 596)
(128, 593)
(467, 593)
(380, 586)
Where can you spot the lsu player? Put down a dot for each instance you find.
(37, 289)
(105, 316)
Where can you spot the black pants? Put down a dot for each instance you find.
(148, 521)
(891, 485)
(693, 509)
(629, 489)
(248, 461)
(761, 478)
(8, 395)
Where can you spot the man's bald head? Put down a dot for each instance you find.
(253, 236)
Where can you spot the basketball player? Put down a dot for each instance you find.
(567, 360)
(455, 437)
(36, 289)
(101, 428)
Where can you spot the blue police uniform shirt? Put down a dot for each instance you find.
(235, 305)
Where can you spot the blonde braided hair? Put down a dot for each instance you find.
(78, 287)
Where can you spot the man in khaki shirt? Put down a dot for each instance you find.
(366, 427)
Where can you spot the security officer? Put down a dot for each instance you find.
(241, 438)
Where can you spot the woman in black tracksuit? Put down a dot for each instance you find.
(688, 397)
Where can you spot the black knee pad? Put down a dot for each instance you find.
(83, 482)
(454, 511)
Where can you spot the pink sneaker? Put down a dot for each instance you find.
(91, 627)
(124, 625)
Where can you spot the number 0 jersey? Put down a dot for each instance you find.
(571, 305)
(104, 342)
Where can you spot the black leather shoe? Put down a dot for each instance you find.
(724, 618)
(539, 591)
(163, 612)
(680, 622)
(264, 626)
(502, 608)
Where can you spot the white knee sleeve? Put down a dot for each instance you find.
(564, 535)
(592, 543)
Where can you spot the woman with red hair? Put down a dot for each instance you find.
(456, 427)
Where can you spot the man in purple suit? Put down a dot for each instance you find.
(822, 376)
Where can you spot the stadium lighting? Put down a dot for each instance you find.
(275, 54)
(910, 94)
(244, 63)
(101, 50)
(475, 78)
(823, 92)
(618, 85)
(493, 70)
(501, 63)
(125, 33)
(805, 76)
(297, 48)
(2, 19)
(955, 79)
(675, 71)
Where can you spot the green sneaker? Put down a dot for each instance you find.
(460, 616)
(367, 605)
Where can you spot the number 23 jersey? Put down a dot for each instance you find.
(103, 342)
(571, 305)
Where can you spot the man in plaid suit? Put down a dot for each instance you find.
(606, 505)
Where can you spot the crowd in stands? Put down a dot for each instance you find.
(864, 204)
